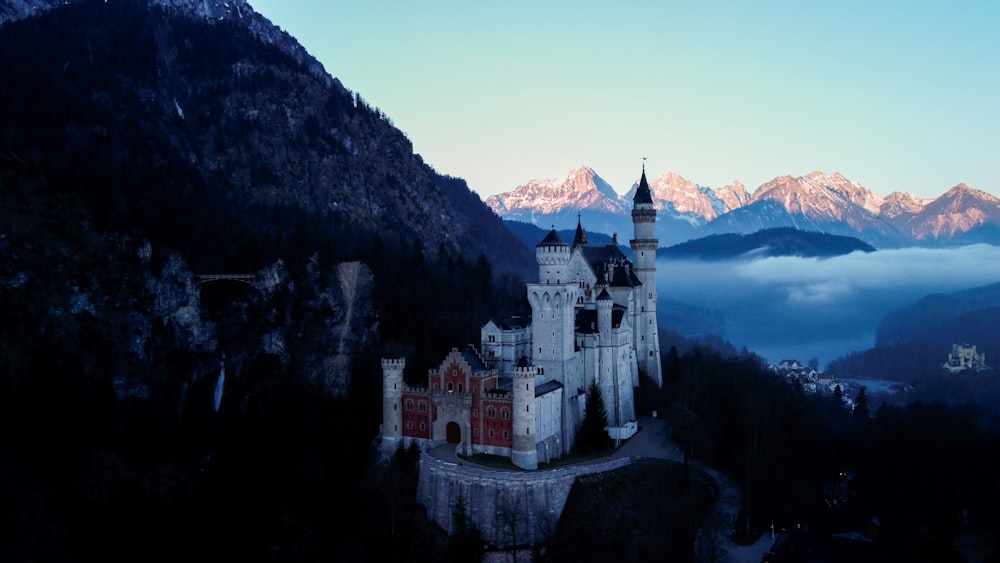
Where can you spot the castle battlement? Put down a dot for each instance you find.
(390, 363)
(496, 395)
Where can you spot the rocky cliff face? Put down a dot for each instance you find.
(156, 141)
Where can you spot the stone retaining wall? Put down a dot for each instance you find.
(510, 508)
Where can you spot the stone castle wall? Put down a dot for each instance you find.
(509, 507)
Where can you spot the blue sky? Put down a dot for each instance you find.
(895, 95)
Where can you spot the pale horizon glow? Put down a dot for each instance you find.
(899, 96)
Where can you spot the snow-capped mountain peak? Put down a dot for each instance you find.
(581, 189)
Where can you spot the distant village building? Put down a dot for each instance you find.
(963, 357)
(522, 394)
(793, 370)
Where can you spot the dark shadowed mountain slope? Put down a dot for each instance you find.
(943, 319)
(146, 413)
(161, 119)
(767, 242)
(913, 342)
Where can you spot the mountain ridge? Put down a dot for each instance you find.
(815, 201)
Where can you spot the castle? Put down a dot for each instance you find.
(522, 394)
(964, 357)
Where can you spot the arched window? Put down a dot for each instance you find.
(422, 406)
(451, 387)
(423, 426)
(491, 412)
(409, 405)
(506, 435)
(409, 425)
(459, 387)
(504, 413)
(491, 432)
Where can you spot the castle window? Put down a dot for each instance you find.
(459, 387)
(423, 426)
(527, 408)
(409, 425)
(539, 349)
(492, 353)
(409, 405)
(505, 435)
(504, 413)
(475, 412)
(394, 405)
(493, 338)
(422, 406)
(451, 387)
(491, 432)
(527, 431)
(650, 353)
(491, 412)
(541, 370)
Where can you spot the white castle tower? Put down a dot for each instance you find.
(644, 245)
(392, 405)
(553, 320)
(524, 452)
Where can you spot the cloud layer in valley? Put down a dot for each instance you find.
(824, 308)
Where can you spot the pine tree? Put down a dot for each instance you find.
(465, 543)
(861, 406)
(593, 436)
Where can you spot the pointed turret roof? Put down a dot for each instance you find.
(581, 236)
(642, 193)
(552, 239)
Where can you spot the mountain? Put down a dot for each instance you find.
(813, 202)
(581, 194)
(683, 198)
(232, 106)
(960, 210)
(938, 320)
(206, 245)
(782, 241)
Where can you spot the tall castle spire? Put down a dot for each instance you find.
(580, 239)
(644, 247)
